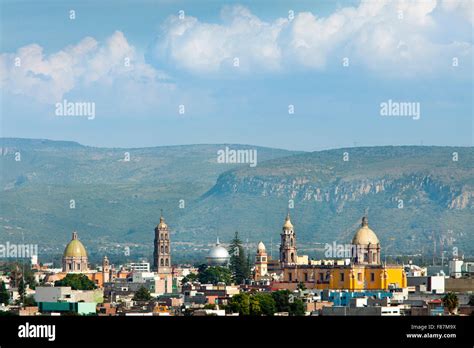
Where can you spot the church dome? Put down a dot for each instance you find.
(364, 234)
(75, 248)
(288, 225)
(218, 255)
(162, 225)
(261, 247)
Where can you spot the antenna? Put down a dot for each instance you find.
(271, 247)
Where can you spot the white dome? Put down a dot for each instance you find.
(261, 247)
(218, 252)
(218, 255)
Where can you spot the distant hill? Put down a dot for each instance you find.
(415, 195)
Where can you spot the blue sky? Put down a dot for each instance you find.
(289, 53)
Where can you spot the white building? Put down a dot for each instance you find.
(139, 266)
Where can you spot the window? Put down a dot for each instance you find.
(306, 277)
(166, 249)
(359, 277)
(321, 276)
(161, 262)
(290, 277)
(161, 248)
(292, 257)
(264, 259)
(372, 276)
(342, 276)
(167, 262)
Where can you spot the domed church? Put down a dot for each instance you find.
(75, 256)
(360, 269)
(366, 245)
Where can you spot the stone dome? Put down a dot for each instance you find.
(287, 225)
(365, 235)
(75, 248)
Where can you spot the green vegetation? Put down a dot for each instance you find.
(119, 202)
(142, 294)
(191, 277)
(76, 281)
(266, 304)
(239, 264)
(214, 275)
(451, 302)
(4, 294)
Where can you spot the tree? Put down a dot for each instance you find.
(240, 303)
(451, 302)
(214, 275)
(76, 281)
(297, 308)
(191, 277)
(287, 302)
(238, 263)
(254, 306)
(29, 301)
(4, 294)
(281, 299)
(142, 295)
(267, 303)
(22, 289)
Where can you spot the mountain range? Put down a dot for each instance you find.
(419, 199)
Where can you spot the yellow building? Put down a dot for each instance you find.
(364, 271)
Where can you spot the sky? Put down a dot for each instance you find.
(299, 75)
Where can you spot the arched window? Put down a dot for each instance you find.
(161, 248)
(292, 257)
(291, 241)
(161, 262)
(167, 262)
(166, 249)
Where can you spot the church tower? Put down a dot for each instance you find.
(261, 262)
(162, 250)
(288, 254)
(105, 270)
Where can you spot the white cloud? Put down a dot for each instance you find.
(49, 78)
(372, 34)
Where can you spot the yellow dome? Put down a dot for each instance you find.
(162, 224)
(75, 248)
(365, 235)
(288, 225)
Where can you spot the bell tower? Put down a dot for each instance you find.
(288, 254)
(162, 251)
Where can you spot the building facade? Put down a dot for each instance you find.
(364, 271)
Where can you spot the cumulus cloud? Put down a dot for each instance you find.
(47, 78)
(389, 36)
